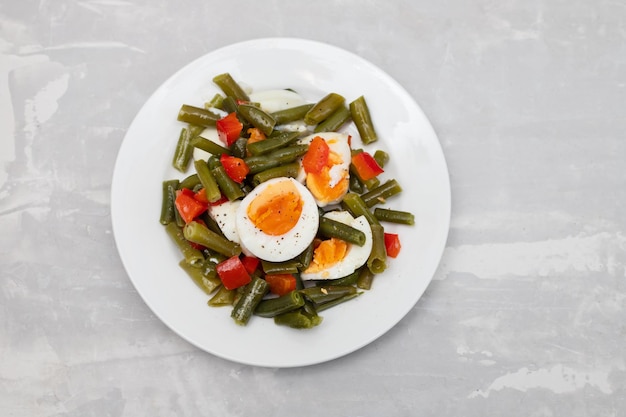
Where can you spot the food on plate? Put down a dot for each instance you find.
(283, 216)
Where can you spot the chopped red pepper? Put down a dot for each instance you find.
(233, 273)
(236, 168)
(250, 263)
(281, 284)
(201, 196)
(392, 244)
(229, 128)
(366, 166)
(188, 207)
(316, 157)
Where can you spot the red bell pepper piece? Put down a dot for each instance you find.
(392, 244)
(250, 263)
(236, 168)
(366, 166)
(281, 284)
(233, 273)
(229, 128)
(188, 207)
(201, 196)
(316, 157)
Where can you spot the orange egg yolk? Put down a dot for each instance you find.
(321, 186)
(277, 209)
(328, 253)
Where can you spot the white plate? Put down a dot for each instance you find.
(313, 69)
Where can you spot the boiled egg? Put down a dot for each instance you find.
(277, 220)
(224, 215)
(274, 100)
(332, 182)
(335, 258)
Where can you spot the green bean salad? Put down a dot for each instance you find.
(278, 212)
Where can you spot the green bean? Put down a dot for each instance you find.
(229, 105)
(323, 108)
(168, 208)
(189, 182)
(229, 187)
(394, 216)
(333, 122)
(355, 205)
(259, 163)
(333, 303)
(298, 319)
(222, 297)
(363, 121)
(275, 306)
(306, 257)
(230, 87)
(289, 170)
(216, 102)
(209, 146)
(213, 162)
(257, 118)
(197, 116)
(371, 183)
(291, 114)
(208, 181)
(381, 193)
(309, 308)
(208, 284)
(289, 153)
(194, 130)
(299, 282)
(183, 151)
(287, 267)
(209, 268)
(179, 219)
(272, 143)
(326, 293)
(250, 299)
(377, 261)
(365, 279)
(356, 186)
(192, 255)
(198, 233)
(239, 148)
(381, 157)
(333, 228)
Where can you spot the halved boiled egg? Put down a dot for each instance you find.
(334, 258)
(330, 184)
(277, 220)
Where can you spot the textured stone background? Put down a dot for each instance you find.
(525, 316)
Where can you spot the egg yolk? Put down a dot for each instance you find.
(328, 253)
(324, 187)
(277, 209)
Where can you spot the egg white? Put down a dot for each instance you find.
(276, 100)
(281, 247)
(356, 255)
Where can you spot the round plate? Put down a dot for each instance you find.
(313, 69)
